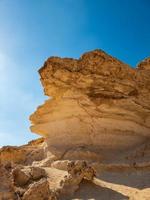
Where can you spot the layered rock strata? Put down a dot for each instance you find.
(96, 134)
(99, 107)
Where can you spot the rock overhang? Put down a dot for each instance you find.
(96, 99)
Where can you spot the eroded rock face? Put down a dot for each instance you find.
(98, 106)
(6, 184)
(26, 154)
(96, 129)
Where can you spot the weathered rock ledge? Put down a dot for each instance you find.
(98, 106)
(96, 134)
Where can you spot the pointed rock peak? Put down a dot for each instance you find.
(99, 53)
(94, 52)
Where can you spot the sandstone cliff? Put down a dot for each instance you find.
(96, 129)
(99, 105)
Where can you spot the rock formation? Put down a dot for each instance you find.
(98, 104)
(96, 130)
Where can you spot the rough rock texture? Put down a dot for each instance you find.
(96, 129)
(26, 154)
(98, 104)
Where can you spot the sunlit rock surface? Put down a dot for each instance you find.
(96, 134)
(98, 106)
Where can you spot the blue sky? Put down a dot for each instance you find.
(33, 30)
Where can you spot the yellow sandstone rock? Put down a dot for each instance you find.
(96, 134)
